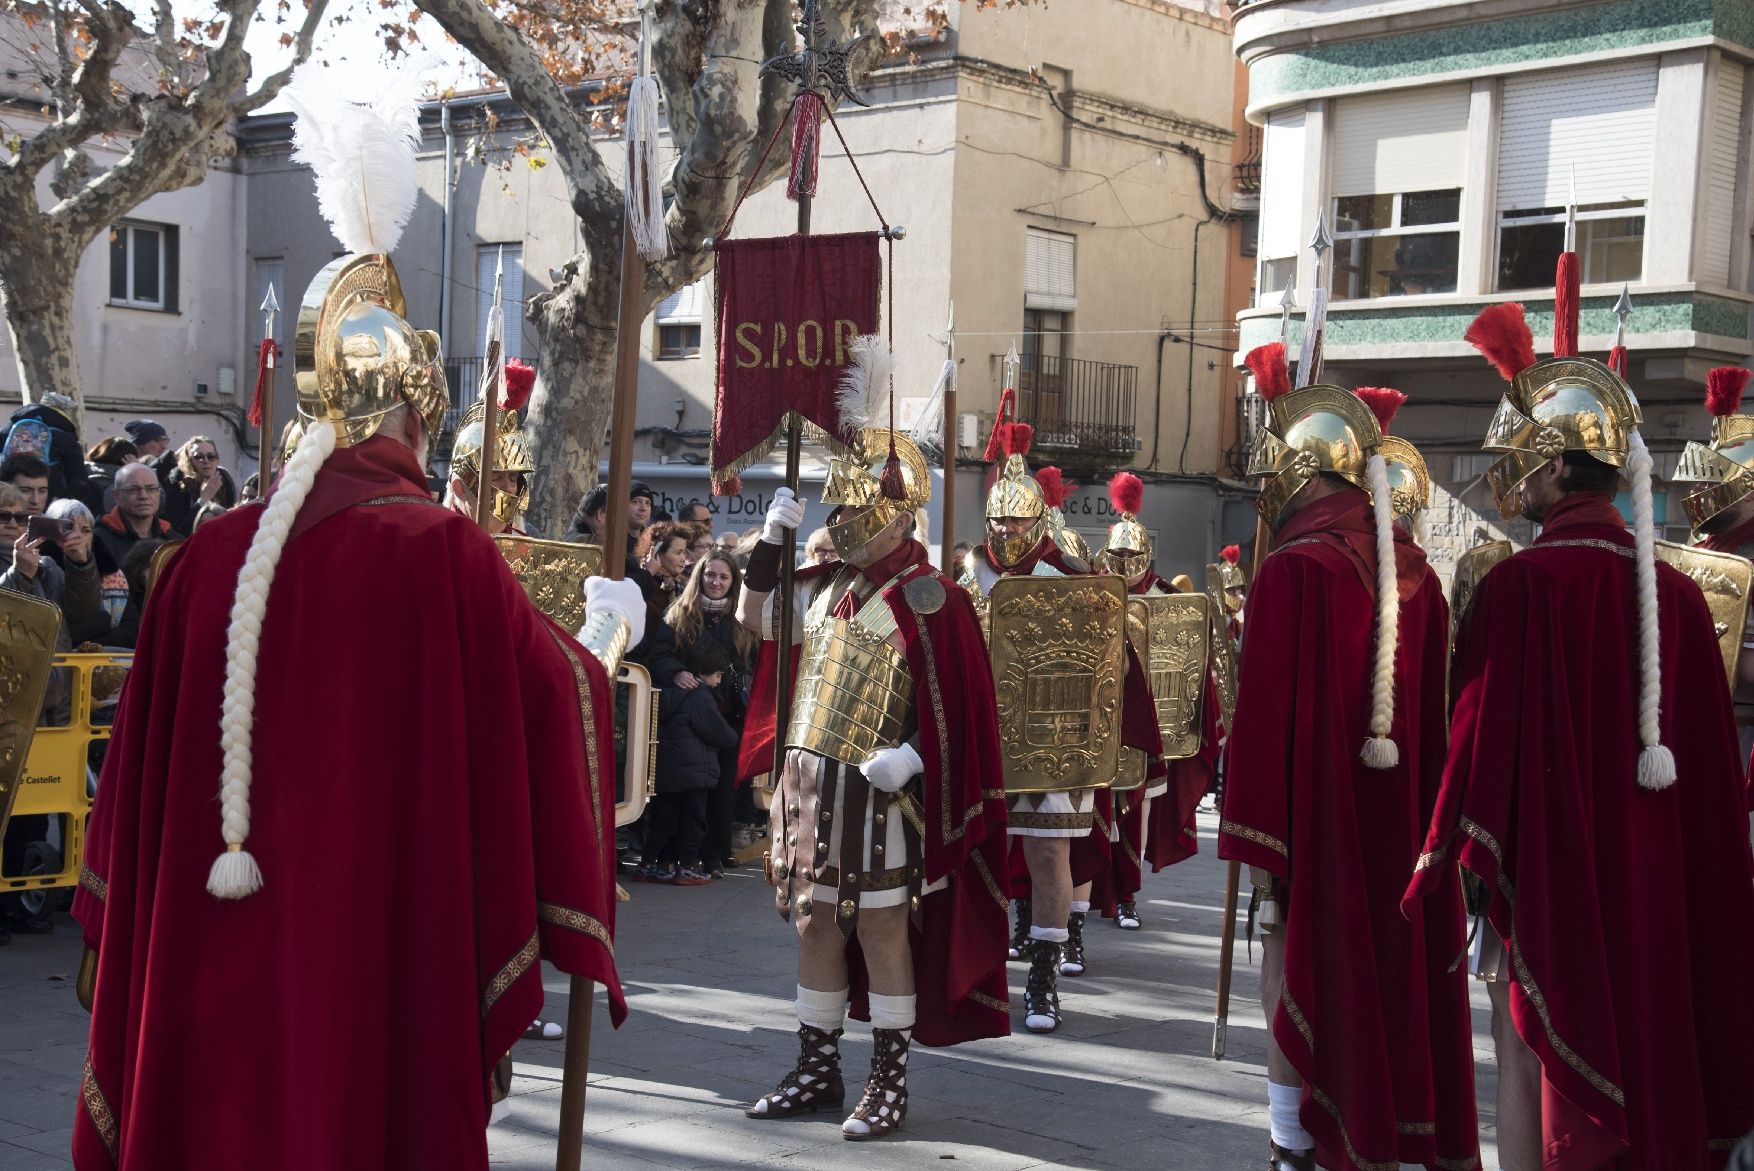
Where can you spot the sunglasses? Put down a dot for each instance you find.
(15, 518)
(205, 457)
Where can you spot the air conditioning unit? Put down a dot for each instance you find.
(968, 429)
(228, 380)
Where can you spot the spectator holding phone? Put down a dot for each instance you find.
(28, 571)
(74, 548)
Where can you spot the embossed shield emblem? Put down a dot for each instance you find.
(553, 573)
(1058, 651)
(1177, 653)
(1471, 568)
(27, 649)
(1724, 579)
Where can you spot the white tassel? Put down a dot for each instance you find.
(1380, 751)
(643, 186)
(928, 429)
(1656, 764)
(235, 874)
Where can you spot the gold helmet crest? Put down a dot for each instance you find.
(1129, 551)
(1721, 472)
(1312, 430)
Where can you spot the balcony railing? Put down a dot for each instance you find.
(1077, 407)
(464, 376)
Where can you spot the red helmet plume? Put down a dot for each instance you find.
(1383, 402)
(1267, 364)
(1127, 493)
(1501, 333)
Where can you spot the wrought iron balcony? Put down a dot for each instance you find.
(464, 376)
(1079, 408)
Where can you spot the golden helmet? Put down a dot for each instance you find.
(1228, 576)
(1554, 406)
(1128, 552)
(1409, 479)
(355, 356)
(1312, 430)
(511, 453)
(855, 487)
(1722, 472)
(1015, 493)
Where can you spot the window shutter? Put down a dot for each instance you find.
(1409, 140)
(1722, 164)
(1282, 184)
(681, 307)
(487, 259)
(1597, 123)
(173, 269)
(1050, 271)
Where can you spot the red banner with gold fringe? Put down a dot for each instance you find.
(788, 310)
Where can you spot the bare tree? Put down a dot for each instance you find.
(706, 55)
(165, 97)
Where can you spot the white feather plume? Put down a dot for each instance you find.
(362, 156)
(928, 429)
(862, 399)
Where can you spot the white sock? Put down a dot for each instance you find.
(1080, 908)
(1050, 934)
(892, 1012)
(822, 1010)
(1282, 1106)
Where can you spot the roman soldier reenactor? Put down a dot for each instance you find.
(1334, 762)
(1154, 821)
(887, 826)
(514, 460)
(1594, 787)
(1063, 842)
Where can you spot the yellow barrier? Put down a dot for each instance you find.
(55, 779)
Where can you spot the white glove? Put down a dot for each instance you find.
(891, 768)
(784, 513)
(617, 597)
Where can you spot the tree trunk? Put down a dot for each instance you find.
(569, 413)
(36, 276)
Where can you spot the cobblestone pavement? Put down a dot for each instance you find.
(1128, 1082)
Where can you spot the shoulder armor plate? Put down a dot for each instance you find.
(925, 595)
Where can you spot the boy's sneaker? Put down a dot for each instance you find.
(690, 876)
(651, 872)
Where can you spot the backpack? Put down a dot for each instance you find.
(31, 437)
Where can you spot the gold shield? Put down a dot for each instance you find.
(553, 573)
(1224, 664)
(1058, 648)
(1471, 568)
(1724, 579)
(27, 649)
(1177, 653)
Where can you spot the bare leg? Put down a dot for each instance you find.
(1050, 879)
(1280, 1071)
(1080, 894)
(822, 954)
(883, 935)
(1519, 1088)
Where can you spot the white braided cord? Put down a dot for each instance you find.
(1380, 751)
(235, 874)
(1656, 764)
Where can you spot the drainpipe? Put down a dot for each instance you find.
(1157, 423)
(1181, 464)
(444, 330)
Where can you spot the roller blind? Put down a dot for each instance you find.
(512, 295)
(1051, 271)
(1597, 123)
(1282, 196)
(1722, 163)
(681, 307)
(1409, 140)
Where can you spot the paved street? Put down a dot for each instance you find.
(1127, 1083)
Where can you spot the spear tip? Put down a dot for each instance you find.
(270, 303)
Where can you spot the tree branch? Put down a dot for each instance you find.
(301, 52)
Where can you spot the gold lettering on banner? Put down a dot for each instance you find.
(749, 345)
(811, 357)
(844, 333)
(779, 343)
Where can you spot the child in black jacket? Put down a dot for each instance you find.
(691, 733)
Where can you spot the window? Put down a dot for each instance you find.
(1724, 164)
(1282, 201)
(1396, 245)
(1050, 271)
(1577, 136)
(1610, 245)
(1249, 236)
(488, 258)
(678, 321)
(143, 266)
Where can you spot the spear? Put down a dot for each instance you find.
(265, 400)
(947, 551)
(1287, 302)
(1623, 310)
(492, 374)
(1315, 321)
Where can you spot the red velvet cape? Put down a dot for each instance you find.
(415, 863)
(1630, 913)
(1374, 1014)
(959, 948)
